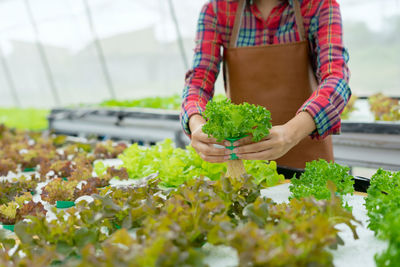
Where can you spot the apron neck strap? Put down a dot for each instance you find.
(239, 17)
(299, 20)
(237, 24)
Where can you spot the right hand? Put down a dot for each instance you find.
(204, 145)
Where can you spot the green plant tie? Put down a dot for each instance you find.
(232, 147)
(64, 204)
(9, 227)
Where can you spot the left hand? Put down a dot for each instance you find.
(280, 140)
(272, 147)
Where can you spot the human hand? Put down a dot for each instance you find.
(272, 147)
(281, 139)
(204, 145)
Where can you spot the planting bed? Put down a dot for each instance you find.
(353, 253)
(163, 206)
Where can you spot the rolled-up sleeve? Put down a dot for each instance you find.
(200, 80)
(327, 103)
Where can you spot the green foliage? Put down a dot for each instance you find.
(17, 210)
(383, 199)
(237, 194)
(383, 206)
(62, 168)
(30, 209)
(264, 172)
(8, 212)
(20, 200)
(384, 108)
(108, 150)
(10, 190)
(24, 119)
(59, 190)
(313, 182)
(24, 149)
(227, 120)
(100, 168)
(293, 234)
(66, 234)
(169, 228)
(391, 256)
(164, 219)
(176, 166)
(173, 165)
(173, 102)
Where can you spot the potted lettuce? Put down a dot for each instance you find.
(17, 210)
(64, 193)
(227, 121)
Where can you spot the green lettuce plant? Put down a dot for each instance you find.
(20, 208)
(24, 119)
(9, 190)
(227, 121)
(175, 166)
(59, 190)
(173, 102)
(314, 181)
(383, 207)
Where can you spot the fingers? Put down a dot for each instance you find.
(263, 155)
(210, 150)
(244, 141)
(210, 153)
(204, 146)
(253, 147)
(248, 140)
(273, 147)
(199, 135)
(205, 139)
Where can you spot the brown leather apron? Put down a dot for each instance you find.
(278, 77)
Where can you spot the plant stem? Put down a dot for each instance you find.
(235, 168)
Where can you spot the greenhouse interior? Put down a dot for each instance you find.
(213, 133)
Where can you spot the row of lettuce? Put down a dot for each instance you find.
(163, 220)
(145, 225)
(384, 109)
(166, 218)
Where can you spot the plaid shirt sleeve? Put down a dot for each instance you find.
(199, 82)
(327, 103)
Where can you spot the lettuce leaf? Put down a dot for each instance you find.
(227, 120)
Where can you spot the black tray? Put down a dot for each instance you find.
(371, 128)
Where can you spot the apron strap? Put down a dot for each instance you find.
(299, 20)
(303, 37)
(237, 24)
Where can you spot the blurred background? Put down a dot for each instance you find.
(63, 52)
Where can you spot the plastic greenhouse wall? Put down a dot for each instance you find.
(52, 47)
